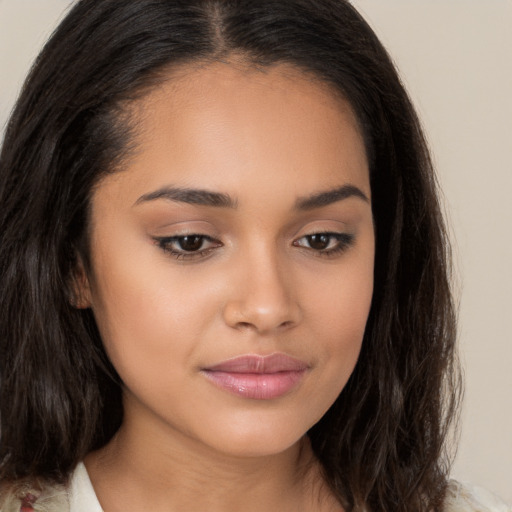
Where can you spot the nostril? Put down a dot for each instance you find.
(248, 325)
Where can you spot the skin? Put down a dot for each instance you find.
(268, 139)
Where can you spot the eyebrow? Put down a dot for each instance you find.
(328, 197)
(202, 197)
(190, 196)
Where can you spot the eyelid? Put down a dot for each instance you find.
(181, 227)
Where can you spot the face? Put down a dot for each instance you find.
(232, 258)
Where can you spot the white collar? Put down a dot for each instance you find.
(82, 497)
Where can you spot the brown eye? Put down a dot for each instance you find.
(190, 243)
(325, 244)
(188, 247)
(319, 242)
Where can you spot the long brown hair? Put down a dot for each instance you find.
(382, 442)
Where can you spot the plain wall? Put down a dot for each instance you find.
(455, 58)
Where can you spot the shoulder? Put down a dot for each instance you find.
(461, 497)
(24, 497)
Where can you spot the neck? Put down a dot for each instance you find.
(138, 470)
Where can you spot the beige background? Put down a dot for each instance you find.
(456, 59)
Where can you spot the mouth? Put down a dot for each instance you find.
(257, 377)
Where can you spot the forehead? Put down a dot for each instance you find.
(226, 125)
(237, 79)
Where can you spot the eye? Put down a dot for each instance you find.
(326, 244)
(184, 247)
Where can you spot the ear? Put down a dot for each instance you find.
(80, 287)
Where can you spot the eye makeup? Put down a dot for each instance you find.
(326, 244)
(187, 247)
(197, 246)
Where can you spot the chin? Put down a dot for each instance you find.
(257, 446)
(259, 438)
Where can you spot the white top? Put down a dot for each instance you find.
(464, 497)
(82, 497)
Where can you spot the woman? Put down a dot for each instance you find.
(224, 268)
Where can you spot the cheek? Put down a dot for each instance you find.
(339, 314)
(341, 300)
(146, 314)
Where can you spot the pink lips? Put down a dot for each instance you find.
(257, 377)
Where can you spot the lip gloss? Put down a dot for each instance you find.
(257, 377)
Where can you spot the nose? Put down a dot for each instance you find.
(262, 298)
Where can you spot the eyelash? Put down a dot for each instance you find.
(344, 241)
(166, 244)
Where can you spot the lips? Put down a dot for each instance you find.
(257, 377)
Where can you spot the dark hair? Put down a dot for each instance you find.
(382, 442)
